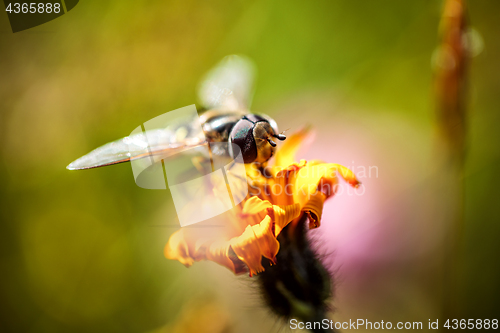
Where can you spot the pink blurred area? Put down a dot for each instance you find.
(382, 239)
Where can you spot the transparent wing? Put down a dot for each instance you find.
(228, 85)
(156, 144)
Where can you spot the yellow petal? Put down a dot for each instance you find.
(219, 253)
(282, 188)
(255, 242)
(255, 205)
(347, 175)
(314, 209)
(314, 183)
(320, 177)
(177, 249)
(282, 215)
(286, 153)
(188, 247)
(264, 235)
(247, 250)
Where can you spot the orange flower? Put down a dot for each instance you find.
(278, 195)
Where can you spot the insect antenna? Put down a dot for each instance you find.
(280, 137)
(271, 142)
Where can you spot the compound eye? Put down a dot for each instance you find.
(271, 122)
(255, 118)
(242, 135)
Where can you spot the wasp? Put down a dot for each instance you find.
(224, 94)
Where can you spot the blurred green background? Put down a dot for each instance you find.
(83, 251)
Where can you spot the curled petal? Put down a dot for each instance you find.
(247, 250)
(282, 215)
(255, 205)
(320, 177)
(187, 249)
(178, 249)
(219, 253)
(264, 235)
(255, 242)
(347, 175)
(254, 210)
(282, 189)
(188, 245)
(314, 209)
